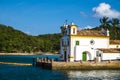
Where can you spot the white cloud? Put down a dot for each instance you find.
(105, 10)
(88, 27)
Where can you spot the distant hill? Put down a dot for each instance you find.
(16, 41)
(12, 40)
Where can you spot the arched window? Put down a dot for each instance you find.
(73, 30)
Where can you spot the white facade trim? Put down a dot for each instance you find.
(86, 47)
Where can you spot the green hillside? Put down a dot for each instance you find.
(12, 40)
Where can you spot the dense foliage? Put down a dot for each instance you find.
(49, 42)
(12, 40)
(113, 25)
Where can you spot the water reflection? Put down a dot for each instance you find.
(94, 75)
(12, 72)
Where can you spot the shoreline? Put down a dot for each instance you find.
(113, 65)
(17, 54)
(41, 53)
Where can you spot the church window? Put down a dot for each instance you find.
(62, 42)
(117, 46)
(69, 31)
(68, 42)
(77, 42)
(98, 54)
(73, 30)
(92, 42)
(66, 32)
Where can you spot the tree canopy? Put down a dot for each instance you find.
(12, 40)
(113, 25)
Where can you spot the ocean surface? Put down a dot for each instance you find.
(13, 72)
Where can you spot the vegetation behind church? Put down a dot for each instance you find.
(113, 25)
(12, 40)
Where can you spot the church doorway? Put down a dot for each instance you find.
(86, 56)
(65, 56)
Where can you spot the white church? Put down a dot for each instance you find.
(87, 45)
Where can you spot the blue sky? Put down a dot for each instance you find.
(36, 17)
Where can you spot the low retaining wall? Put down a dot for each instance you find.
(18, 64)
(53, 65)
(84, 66)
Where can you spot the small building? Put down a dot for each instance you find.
(87, 45)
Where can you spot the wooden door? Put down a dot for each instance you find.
(84, 56)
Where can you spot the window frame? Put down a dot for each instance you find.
(77, 43)
(73, 30)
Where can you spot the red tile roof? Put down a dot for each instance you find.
(117, 42)
(110, 50)
(90, 33)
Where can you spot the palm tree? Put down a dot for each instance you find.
(105, 22)
(115, 22)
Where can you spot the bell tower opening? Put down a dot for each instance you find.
(72, 29)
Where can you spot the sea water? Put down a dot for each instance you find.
(13, 72)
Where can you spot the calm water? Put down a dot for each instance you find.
(12, 72)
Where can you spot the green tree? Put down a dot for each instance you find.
(114, 28)
(115, 22)
(105, 22)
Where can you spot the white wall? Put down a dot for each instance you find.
(99, 42)
(114, 46)
(84, 45)
(110, 56)
(80, 49)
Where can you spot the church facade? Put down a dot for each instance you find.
(87, 45)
